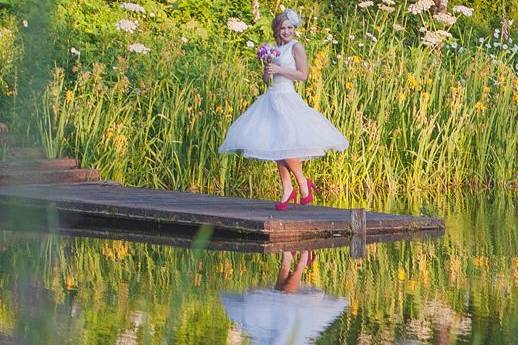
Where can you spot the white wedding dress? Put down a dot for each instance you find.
(280, 125)
(271, 317)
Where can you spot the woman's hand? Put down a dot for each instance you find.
(272, 69)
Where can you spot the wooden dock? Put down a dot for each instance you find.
(107, 206)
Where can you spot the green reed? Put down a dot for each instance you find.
(416, 118)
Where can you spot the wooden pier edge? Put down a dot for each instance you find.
(109, 205)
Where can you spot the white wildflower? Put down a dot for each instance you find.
(138, 48)
(454, 45)
(481, 40)
(282, 7)
(385, 8)
(434, 38)
(398, 27)
(420, 6)
(514, 49)
(126, 25)
(25, 23)
(497, 44)
(371, 37)
(236, 25)
(488, 45)
(328, 38)
(444, 34)
(505, 46)
(184, 39)
(389, 2)
(445, 18)
(366, 4)
(422, 29)
(255, 11)
(132, 7)
(250, 44)
(335, 42)
(75, 52)
(352, 37)
(360, 45)
(466, 11)
(152, 15)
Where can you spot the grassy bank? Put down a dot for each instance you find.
(417, 117)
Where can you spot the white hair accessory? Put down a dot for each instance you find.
(292, 17)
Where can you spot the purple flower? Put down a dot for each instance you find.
(266, 53)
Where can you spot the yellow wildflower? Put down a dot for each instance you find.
(69, 95)
(356, 59)
(219, 109)
(480, 107)
(401, 97)
(515, 98)
(425, 97)
(348, 85)
(120, 142)
(429, 82)
(486, 89)
(69, 282)
(401, 274)
(454, 91)
(412, 82)
(197, 99)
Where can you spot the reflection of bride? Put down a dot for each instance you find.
(288, 314)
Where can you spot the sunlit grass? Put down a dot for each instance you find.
(416, 117)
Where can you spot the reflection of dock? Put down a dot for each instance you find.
(96, 206)
(355, 242)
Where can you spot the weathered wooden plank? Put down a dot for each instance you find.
(9, 177)
(38, 164)
(244, 217)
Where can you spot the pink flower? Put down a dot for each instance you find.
(266, 53)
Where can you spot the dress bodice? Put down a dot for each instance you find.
(285, 59)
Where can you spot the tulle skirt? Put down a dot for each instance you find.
(280, 125)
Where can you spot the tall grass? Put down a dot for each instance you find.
(416, 118)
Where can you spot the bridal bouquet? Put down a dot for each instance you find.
(266, 53)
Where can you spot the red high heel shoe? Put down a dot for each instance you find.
(283, 205)
(309, 198)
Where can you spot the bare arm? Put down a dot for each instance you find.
(301, 63)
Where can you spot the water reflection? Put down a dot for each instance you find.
(460, 288)
(288, 313)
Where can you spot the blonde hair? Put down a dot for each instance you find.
(276, 25)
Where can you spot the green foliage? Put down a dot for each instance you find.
(156, 119)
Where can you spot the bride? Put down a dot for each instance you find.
(279, 125)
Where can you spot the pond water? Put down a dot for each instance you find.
(461, 288)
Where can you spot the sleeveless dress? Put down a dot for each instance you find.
(280, 125)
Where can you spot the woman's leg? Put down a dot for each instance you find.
(284, 173)
(284, 271)
(296, 168)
